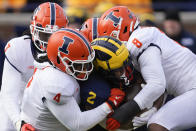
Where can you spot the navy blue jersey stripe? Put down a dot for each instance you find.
(12, 65)
(82, 37)
(52, 13)
(95, 21)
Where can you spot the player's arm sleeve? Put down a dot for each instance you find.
(153, 74)
(11, 81)
(70, 115)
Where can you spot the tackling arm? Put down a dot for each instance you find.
(153, 74)
(73, 118)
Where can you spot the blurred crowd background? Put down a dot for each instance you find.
(177, 18)
(15, 14)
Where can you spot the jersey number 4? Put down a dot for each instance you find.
(57, 97)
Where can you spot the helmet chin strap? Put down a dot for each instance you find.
(75, 73)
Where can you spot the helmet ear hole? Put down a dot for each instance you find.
(125, 30)
(39, 25)
(86, 26)
(116, 10)
(58, 60)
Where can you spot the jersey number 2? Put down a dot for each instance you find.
(91, 98)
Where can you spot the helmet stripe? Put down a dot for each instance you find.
(95, 21)
(80, 36)
(109, 44)
(52, 13)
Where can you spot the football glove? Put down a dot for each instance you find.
(27, 127)
(116, 97)
(123, 114)
(112, 124)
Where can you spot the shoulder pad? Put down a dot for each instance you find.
(17, 51)
(18, 43)
(140, 39)
(58, 86)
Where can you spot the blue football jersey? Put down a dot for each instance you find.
(94, 91)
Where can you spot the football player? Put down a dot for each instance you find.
(164, 65)
(51, 98)
(90, 30)
(96, 89)
(92, 94)
(113, 63)
(20, 53)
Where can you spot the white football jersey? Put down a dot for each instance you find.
(18, 68)
(177, 62)
(51, 101)
(19, 53)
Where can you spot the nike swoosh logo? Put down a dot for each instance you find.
(117, 97)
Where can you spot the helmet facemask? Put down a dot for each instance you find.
(40, 35)
(79, 69)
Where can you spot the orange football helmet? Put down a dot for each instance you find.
(47, 18)
(69, 51)
(89, 28)
(118, 22)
